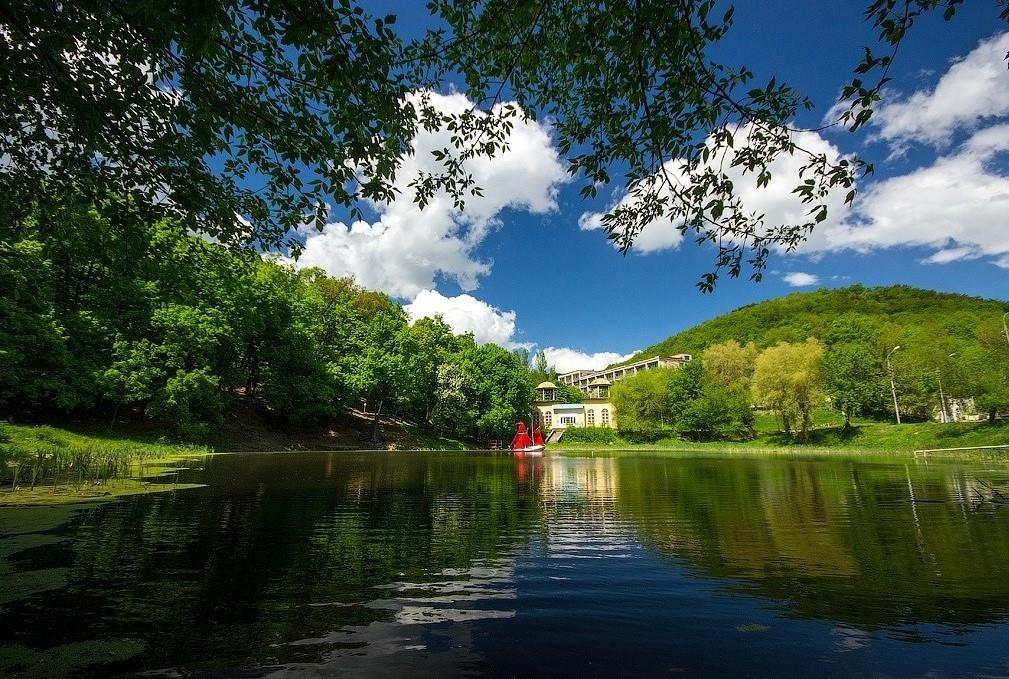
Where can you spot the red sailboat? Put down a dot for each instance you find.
(522, 444)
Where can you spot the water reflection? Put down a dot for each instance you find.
(867, 544)
(450, 563)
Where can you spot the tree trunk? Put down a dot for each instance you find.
(805, 419)
(376, 421)
(114, 413)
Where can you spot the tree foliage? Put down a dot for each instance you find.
(940, 335)
(245, 120)
(98, 317)
(787, 378)
(642, 401)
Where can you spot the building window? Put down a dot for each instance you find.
(536, 418)
(548, 419)
(591, 418)
(604, 416)
(567, 419)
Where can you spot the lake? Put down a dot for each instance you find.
(439, 564)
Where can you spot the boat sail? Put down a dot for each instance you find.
(522, 444)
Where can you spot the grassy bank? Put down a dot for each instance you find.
(864, 437)
(47, 465)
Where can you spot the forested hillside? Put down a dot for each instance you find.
(108, 313)
(861, 349)
(903, 314)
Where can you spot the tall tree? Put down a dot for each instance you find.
(642, 401)
(787, 378)
(454, 410)
(730, 364)
(380, 374)
(501, 393)
(540, 364)
(853, 375)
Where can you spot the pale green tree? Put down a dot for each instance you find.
(730, 364)
(642, 400)
(787, 378)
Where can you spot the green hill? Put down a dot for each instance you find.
(901, 314)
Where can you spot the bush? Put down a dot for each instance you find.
(646, 435)
(190, 403)
(601, 435)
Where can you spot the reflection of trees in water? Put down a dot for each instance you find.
(871, 544)
(277, 548)
(341, 551)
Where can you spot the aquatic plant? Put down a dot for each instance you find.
(36, 456)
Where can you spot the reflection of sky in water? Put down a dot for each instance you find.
(386, 648)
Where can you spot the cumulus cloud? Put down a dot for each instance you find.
(660, 234)
(800, 279)
(975, 89)
(406, 249)
(565, 360)
(958, 205)
(776, 201)
(465, 313)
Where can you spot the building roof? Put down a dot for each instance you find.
(580, 375)
(546, 385)
(568, 406)
(600, 382)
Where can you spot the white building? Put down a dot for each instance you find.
(583, 379)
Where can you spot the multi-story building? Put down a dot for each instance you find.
(596, 408)
(583, 378)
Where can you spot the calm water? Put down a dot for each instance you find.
(437, 564)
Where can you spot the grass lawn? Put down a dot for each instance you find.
(829, 435)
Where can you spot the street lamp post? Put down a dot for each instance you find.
(942, 397)
(893, 387)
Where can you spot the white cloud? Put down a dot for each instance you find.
(406, 249)
(975, 89)
(465, 313)
(776, 201)
(947, 255)
(565, 360)
(958, 205)
(800, 279)
(658, 235)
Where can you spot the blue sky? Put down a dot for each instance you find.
(521, 270)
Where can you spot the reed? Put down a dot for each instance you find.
(32, 457)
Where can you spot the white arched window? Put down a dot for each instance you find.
(591, 418)
(548, 419)
(536, 418)
(604, 416)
